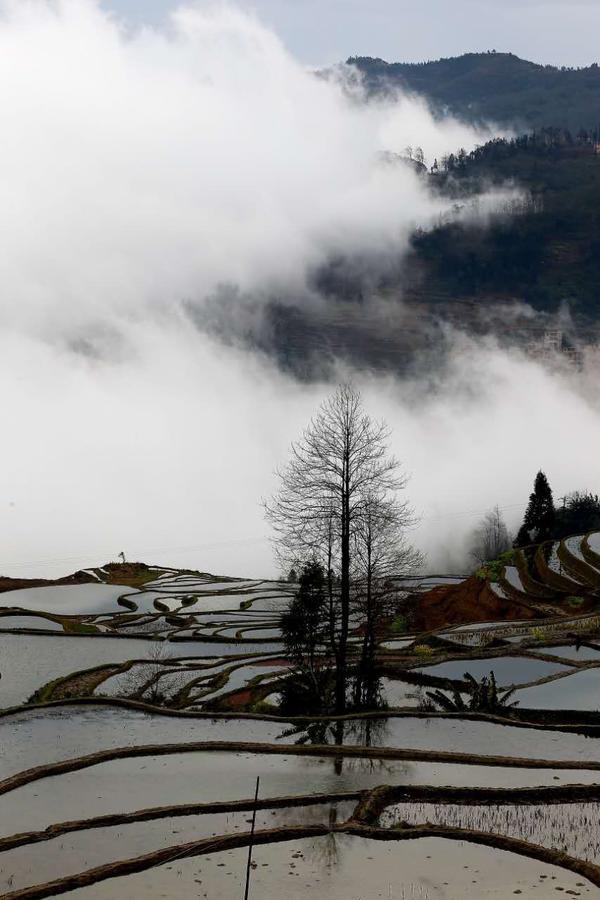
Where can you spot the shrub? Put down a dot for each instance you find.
(399, 625)
(485, 696)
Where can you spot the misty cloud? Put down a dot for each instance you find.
(141, 170)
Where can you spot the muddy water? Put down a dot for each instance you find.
(348, 868)
(507, 669)
(578, 691)
(32, 738)
(570, 651)
(29, 661)
(78, 851)
(482, 738)
(398, 693)
(129, 784)
(72, 599)
(39, 622)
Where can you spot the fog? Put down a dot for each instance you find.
(139, 172)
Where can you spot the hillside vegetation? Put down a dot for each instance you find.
(498, 87)
(545, 252)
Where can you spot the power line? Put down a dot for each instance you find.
(470, 512)
(216, 545)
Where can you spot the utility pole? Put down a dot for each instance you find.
(249, 863)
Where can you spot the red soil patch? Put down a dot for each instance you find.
(242, 698)
(470, 601)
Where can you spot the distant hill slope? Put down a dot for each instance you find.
(499, 87)
(547, 253)
(542, 251)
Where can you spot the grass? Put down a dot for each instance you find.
(76, 684)
(492, 570)
(565, 827)
(71, 627)
(133, 574)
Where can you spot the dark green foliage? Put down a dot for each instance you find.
(305, 693)
(496, 87)
(546, 251)
(493, 569)
(539, 522)
(304, 630)
(484, 697)
(399, 625)
(579, 515)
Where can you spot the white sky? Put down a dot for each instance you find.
(563, 32)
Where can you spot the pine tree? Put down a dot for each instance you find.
(538, 524)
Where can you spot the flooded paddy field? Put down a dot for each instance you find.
(578, 691)
(135, 723)
(575, 828)
(339, 867)
(508, 669)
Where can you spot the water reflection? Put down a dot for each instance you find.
(362, 732)
(368, 732)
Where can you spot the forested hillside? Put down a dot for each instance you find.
(545, 252)
(498, 87)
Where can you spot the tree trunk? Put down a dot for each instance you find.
(342, 665)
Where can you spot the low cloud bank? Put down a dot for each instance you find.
(166, 453)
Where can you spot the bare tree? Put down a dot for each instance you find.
(382, 559)
(143, 680)
(340, 463)
(490, 538)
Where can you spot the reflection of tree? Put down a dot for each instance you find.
(357, 765)
(319, 813)
(324, 852)
(367, 732)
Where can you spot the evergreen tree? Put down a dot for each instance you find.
(304, 630)
(538, 524)
(580, 514)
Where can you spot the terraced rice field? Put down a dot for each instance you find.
(135, 723)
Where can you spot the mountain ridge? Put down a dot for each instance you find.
(491, 86)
